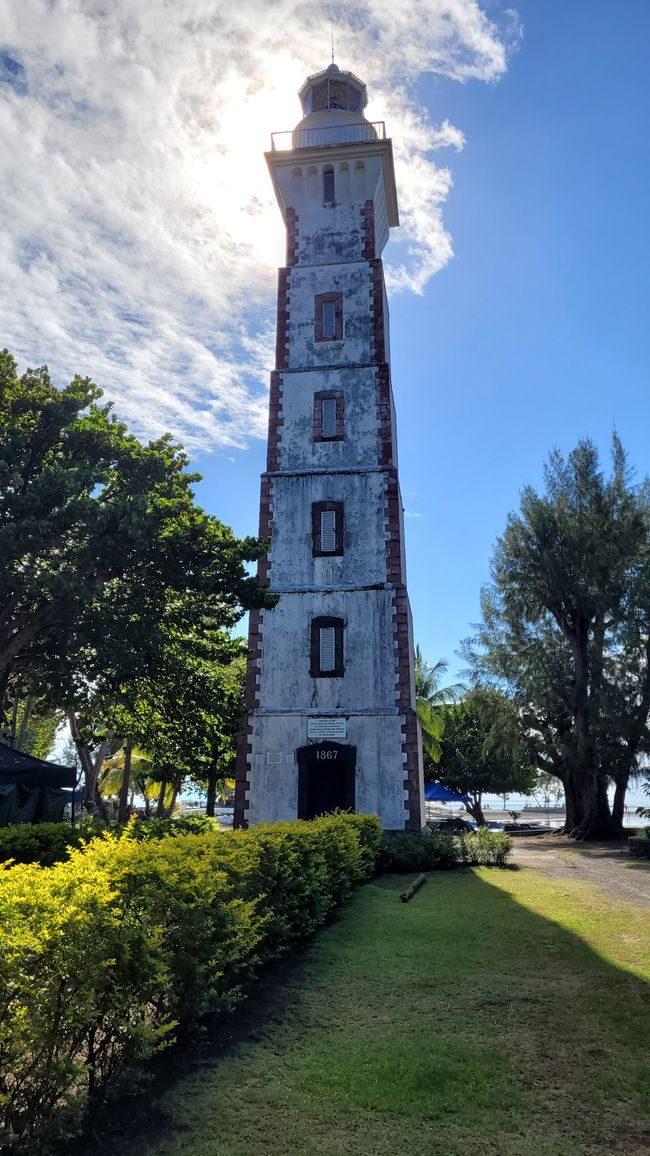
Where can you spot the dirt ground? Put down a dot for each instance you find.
(610, 865)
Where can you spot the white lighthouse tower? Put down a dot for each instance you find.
(331, 717)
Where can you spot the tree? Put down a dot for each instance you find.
(548, 791)
(96, 528)
(104, 555)
(430, 696)
(472, 762)
(566, 630)
(185, 711)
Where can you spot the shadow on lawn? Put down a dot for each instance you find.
(463, 987)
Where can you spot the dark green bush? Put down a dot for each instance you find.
(432, 850)
(417, 851)
(484, 848)
(44, 843)
(639, 846)
(108, 955)
(177, 825)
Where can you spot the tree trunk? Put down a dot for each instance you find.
(169, 809)
(160, 805)
(15, 638)
(90, 767)
(85, 758)
(4, 686)
(475, 809)
(24, 722)
(123, 797)
(594, 817)
(572, 809)
(618, 807)
(14, 721)
(212, 793)
(212, 783)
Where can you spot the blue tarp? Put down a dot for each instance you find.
(436, 793)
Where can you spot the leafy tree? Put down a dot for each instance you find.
(185, 711)
(472, 762)
(430, 696)
(96, 529)
(104, 557)
(548, 790)
(566, 630)
(31, 723)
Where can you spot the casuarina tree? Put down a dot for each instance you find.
(566, 630)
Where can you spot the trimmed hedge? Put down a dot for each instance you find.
(124, 946)
(48, 843)
(431, 850)
(417, 851)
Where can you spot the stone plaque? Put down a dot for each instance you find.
(327, 728)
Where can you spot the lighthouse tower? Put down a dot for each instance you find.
(331, 719)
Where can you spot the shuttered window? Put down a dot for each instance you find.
(327, 528)
(327, 648)
(328, 316)
(329, 320)
(328, 417)
(328, 531)
(327, 644)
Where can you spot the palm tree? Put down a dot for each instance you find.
(429, 697)
(124, 772)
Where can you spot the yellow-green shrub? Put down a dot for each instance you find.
(109, 954)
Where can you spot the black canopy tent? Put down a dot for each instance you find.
(31, 790)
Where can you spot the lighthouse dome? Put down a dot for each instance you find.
(333, 102)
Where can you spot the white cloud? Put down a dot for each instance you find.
(140, 236)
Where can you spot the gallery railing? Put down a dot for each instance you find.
(335, 134)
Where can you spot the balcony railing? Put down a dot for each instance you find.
(328, 135)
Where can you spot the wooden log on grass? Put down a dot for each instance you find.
(412, 888)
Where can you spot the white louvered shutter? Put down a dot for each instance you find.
(329, 319)
(328, 417)
(327, 644)
(328, 531)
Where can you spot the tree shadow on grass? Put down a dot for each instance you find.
(459, 1022)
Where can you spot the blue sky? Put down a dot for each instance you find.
(536, 332)
(141, 238)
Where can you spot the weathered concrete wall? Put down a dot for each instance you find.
(333, 233)
(369, 655)
(364, 553)
(354, 281)
(273, 776)
(358, 449)
(333, 248)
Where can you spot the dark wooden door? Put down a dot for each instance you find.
(326, 773)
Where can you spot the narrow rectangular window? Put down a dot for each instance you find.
(328, 417)
(328, 186)
(329, 321)
(328, 317)
(327, 646)
(327, 528)
(328, 531)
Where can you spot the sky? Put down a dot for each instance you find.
(139, 238)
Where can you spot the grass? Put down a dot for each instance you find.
(497, 1014)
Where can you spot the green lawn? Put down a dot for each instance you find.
(497, 1014)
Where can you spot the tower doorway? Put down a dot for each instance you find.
(326, 773)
